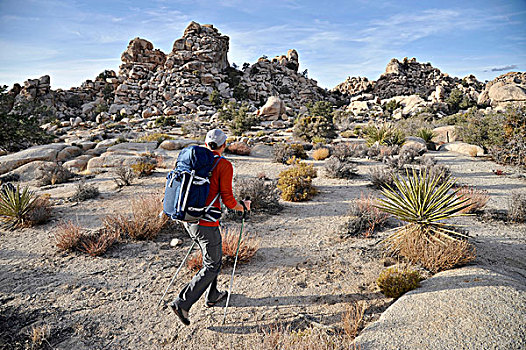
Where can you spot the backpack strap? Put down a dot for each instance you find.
(217, 162)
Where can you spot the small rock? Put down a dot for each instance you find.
(175, 242)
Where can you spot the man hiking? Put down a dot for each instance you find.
(207, 234)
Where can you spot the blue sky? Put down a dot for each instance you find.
(75, 40)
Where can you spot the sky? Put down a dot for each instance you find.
(74, 40)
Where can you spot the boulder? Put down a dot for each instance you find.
(261, 151)
(416, 143)
(506, 88)
(171, 145)
(27, 172)
(463, 148)
(68, 153)
(273, 108)
(78, 164)
(445, 134)
(44, 152)
(112, 160)
(467, 308)
(136, 148)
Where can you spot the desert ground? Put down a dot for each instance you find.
(304, 275)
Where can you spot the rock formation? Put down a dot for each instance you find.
(509, 87)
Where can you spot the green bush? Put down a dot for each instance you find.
(295, 183)
(391, 106)
(215, 98)
(168, 120)
(457, 101)
(311, 127)
(482, 129)
(513, 148)
(394, 281)
(320, 108)
(237, 117)
(384, 134)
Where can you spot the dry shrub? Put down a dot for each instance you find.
(195, 261)
(41, 211)
(517, 208)
(352, 319)
(396, 281)
(144, 222)
(99, 242)
(239, 148)
(263, 194)
(84, 192)
(38, 335)
(282, 338)
(68, 236)
(321, 153)
(433, 255)
(476, 199)
(295, 183)
(364, 218)
(123, 176)
(248, 246)
(143, 168)
(340, 168)
(381, 177)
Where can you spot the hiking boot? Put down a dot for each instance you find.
(182, 314)
(222, 295)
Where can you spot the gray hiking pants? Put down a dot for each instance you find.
(209, 240)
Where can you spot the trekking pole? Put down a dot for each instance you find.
(235, 261)
(177, 272)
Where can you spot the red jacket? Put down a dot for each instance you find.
(221, 182)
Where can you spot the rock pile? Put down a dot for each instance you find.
(509, 87)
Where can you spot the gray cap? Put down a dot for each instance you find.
(217, 136)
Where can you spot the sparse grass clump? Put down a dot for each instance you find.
(517, 208)
(20, 208)
(155, 137)
(423, 201)
(39, 335)
(341, 169)
(283, 152)
(84, 192)
(295, 183)
(143, 168)
(352, 318)
(144, 222)
(98, 242)
(68, 236)
(476, 199)
(321, 153)
(363, 218)
(395, 281)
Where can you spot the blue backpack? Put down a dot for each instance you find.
(187, 186)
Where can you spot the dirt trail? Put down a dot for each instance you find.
(303, 274)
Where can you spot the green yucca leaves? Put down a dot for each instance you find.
(15, 206)
(426, 134)
(423, 201)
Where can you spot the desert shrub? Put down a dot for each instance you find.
(239, 148)
(38, 335)
(316, 337)
(168, 120)
(482, 129)
(343, 150)
(391, 106)
(295, 183)
(384, 134)
(98, 242)
(395, 281)
(423, 202)
(84, 192)
(457, 100)
(144, 222)
(398, 162)
(321, 153)
(263, 194)
(381, 177)
(340, 169)
(123, 176)
(143, 168)
(68, 236)
(348, 134)
(426, 134)
(248, 246)
(309, 127)
(344, 121)
(215, 98)
(439, 171)
(282, 152)
(155, 137)
(517, 208)
(40, 211)
(322, 108)
(412, 126)
(237, 117)
(513, 148)
(363, 218)
(193, 129)
(476, 199)
(52, 174)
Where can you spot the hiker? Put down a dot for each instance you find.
(207, 234)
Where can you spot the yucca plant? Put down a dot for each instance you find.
(384, 134)
(15, 206)
(426, 134)
(423, 201)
